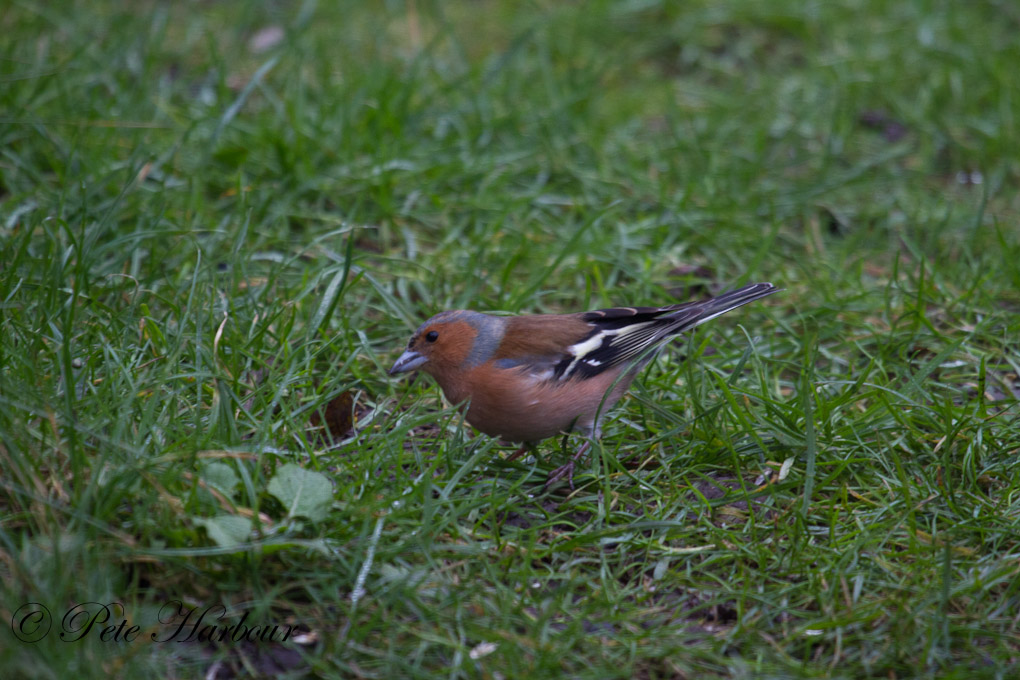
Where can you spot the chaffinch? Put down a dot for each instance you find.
(527, 378)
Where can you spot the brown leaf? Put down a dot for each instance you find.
(337, 416)
(699, 280)
(891, 128)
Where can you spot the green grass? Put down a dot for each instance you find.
(203, 245)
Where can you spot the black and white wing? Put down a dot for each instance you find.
(622, 334)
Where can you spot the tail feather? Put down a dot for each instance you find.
(692, 314)
(622, 334)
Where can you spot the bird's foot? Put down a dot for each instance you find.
(567, 470)
(561, 472)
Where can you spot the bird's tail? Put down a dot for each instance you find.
(694, 314)
(622, 334)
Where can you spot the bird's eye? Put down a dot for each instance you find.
(431, 336)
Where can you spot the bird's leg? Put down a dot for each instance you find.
(568, 469)
(525, 447)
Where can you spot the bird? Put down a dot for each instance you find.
(531, 377)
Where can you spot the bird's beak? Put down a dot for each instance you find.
(408, 361)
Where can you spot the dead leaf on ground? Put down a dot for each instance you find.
(337, 416)
(699, 281)
(891, 128)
